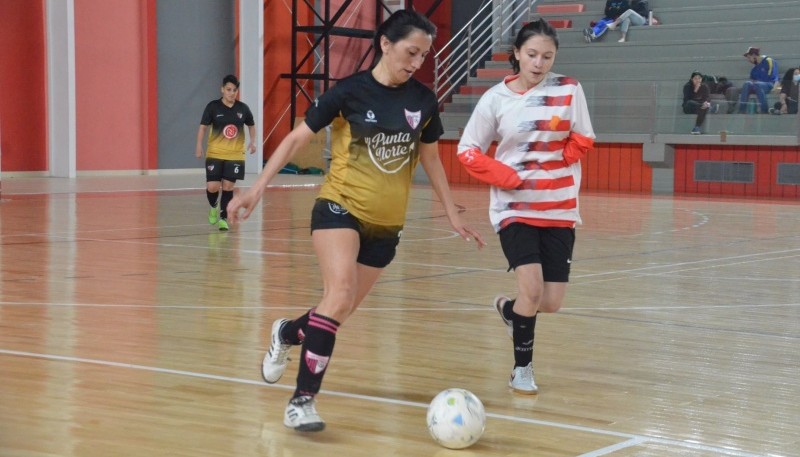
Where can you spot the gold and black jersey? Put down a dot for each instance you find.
(226, 136)
(376, 132)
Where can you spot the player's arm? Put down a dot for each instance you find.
(293, 142)
(489, 170)
(432, 164)
(201, 134)
(252, 146)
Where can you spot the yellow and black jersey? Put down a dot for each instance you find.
(376, 131)
(226, 136)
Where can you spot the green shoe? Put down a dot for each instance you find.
(222, 225)
(213, 216)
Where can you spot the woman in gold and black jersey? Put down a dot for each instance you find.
(384, 123)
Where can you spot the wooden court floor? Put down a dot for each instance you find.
(130, 327)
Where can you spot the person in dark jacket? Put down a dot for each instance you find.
(790, 86)
(697, 100)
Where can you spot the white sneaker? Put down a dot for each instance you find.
(521, 380)
(499, 302)
(277, 357)
(301, 415)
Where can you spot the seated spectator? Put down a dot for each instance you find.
(636, 15)
(613, 10)
(697, 100)
(763, 77)
(790, 86)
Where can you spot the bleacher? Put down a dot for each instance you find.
(634, 89)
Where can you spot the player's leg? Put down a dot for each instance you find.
(213, 185)
(520, 245)
(233, 170)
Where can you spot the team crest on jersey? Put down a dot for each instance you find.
(239, 115)
(413, 118)
(230, 131)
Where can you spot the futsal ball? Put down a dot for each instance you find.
(456, 418)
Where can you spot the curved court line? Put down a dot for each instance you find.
(632, 439)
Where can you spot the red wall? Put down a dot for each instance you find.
(110, 90)
(765, 158)
(23, 98)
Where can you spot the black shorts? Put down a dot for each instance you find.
(549, 246)
(378, 243)
(219, 169)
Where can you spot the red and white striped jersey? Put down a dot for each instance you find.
(531, 130)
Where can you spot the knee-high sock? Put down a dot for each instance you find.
(295, 331)
(212, 198)
(523, 334)
(316, 354)
(227, 196)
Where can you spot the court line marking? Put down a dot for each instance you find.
(631, 439)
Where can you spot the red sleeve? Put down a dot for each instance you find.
(577, 146)
(489, 170)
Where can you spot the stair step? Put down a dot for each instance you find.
(560, 23)
(498, 73)
(557, 9)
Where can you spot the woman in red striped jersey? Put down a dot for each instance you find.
(541, 124)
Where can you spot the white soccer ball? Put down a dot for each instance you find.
(456, 418)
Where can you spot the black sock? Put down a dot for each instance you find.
(212, 198)
(294, 332)
(316, 354)
(227, 196)
(523, 327)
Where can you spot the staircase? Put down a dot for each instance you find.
(634, 89)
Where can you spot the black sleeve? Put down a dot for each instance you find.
(433, 129)
(248, 115)
(325, 108)
(208, 114)
(687, 92)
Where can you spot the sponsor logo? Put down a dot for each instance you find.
(370, 117)
(210, 167)
(413, 118)
(336, 208)
(390, 153)
(230, 131)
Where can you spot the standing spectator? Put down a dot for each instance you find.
(227, 117)
(541, 123)
(384, 123)
(789, 93)
(763, 77)
(697, 100)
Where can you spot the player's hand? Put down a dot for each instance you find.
(251, 148)
(198, 152)
(465, 231)
(242, 205)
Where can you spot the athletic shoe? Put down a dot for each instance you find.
(222, 225)
(611, 26)
(301, 415)
(696, 131)
(277, 357)
(499, 302)
(213, 216)
(587, 35)
(521, 380)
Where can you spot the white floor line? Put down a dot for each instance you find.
(631, 439)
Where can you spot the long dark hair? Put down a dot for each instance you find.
(531, 29)
(398, 26)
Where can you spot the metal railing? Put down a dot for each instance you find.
(492, 27)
